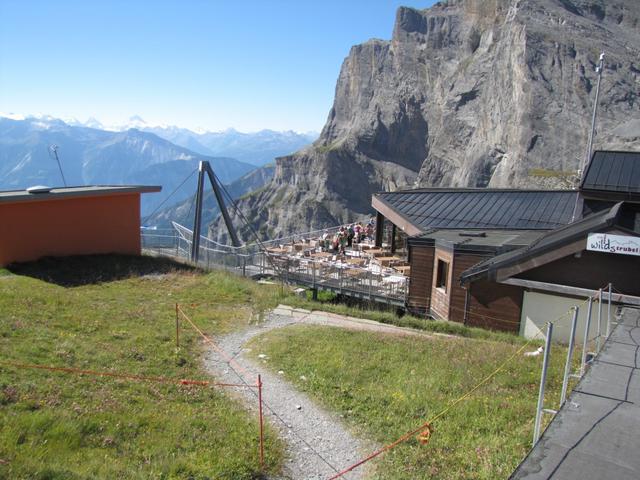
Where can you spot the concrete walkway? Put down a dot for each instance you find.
(596, 435)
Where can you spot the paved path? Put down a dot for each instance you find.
(596, 435)
(318, 443)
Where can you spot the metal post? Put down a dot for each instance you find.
(583, 363)
(393, 238)
(235, 241)
(177, 328)
(379, 229)
(567, 366)
(261, 422)
(195, 239)
(370, 286)
(592, 132)
(543, 379)
(313, 272)
(599, 329)
(609, 312)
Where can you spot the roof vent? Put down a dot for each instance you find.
(39, 189)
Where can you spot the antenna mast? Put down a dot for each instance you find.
(577, 208)
(53, 149)
(587, 159)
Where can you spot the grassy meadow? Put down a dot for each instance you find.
(384, 386)
(117, 314)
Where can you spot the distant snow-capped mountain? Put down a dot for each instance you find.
(94, 156)
(256, 148)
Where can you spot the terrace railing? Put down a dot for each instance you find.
(352, 275)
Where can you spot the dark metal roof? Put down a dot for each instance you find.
(14, 196)
(613, 172)
(482, 241)
(482, 208)
(547, 242)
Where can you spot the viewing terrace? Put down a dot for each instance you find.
(363, 271)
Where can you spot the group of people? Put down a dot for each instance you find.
(347, 236)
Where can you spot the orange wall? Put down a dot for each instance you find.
(69, 226)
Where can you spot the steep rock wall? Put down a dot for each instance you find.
(467, 93)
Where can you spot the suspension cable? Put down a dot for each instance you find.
(169, 196)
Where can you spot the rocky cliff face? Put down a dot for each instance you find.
(467, 93)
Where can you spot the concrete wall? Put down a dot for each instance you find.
(70, 226)
(540, 308)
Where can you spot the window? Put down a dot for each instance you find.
(442, 275)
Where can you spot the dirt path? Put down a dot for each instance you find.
(318, 444)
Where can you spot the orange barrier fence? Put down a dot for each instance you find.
(124, 376)
(167, 380)
(233, 364)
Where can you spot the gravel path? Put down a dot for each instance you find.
(318, 444)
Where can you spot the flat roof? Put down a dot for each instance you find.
(483, 240)
(14, 196)
(482, 208)
(595, 433)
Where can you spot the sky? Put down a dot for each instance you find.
(213, 64)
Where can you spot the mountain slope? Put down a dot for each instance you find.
(466, 93)
(182, 212)
(91, 156)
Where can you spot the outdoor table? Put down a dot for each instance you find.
(386, 261)
(404, 269)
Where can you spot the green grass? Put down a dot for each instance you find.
(117, 314)
(325, 300)
(385, 386)
(546, 173)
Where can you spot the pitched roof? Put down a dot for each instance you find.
(547, 242)
(613, 172)
(425, 209)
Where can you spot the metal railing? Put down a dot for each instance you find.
(340, 274)
(586, 357)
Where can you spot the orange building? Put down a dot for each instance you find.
(70, 221)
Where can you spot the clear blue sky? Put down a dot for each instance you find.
(214, 64)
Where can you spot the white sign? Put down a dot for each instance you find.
(601, 242)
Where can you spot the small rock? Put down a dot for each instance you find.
(262, 355)
(298, 407)
(280, 372)
(303, 378)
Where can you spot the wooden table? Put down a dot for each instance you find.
(321, 255)
(403, 269)
(277, 250)
(356, 261)
(386, 261)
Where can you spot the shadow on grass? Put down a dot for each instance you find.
(76, 271)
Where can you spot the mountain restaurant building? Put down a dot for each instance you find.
(563, 267)
(70, 221)
(474, 253)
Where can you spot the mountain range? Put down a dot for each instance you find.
(131, 156)
(467, 93)
(256, 148)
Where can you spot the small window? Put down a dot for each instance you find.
(443, 273)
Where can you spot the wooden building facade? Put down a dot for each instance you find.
(460, 243)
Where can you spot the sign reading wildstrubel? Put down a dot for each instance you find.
(601, 242)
